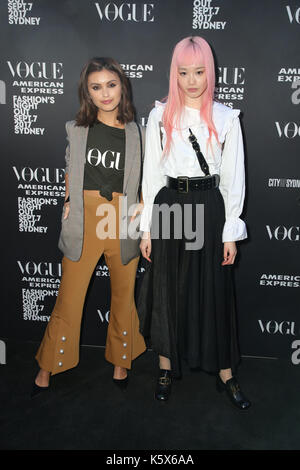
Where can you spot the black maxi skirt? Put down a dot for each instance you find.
(186, 302)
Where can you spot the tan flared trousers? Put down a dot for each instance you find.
(59, 349)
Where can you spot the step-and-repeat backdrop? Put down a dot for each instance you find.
(45, 44)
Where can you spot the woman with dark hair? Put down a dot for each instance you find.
(103, 172)
(194, 167)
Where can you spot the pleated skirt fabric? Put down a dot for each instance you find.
(186, 303)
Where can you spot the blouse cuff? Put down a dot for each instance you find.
(234, 230)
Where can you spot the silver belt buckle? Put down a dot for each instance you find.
(181, 179)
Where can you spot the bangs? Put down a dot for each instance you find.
(190, 54)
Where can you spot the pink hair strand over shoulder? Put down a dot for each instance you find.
(189, 51)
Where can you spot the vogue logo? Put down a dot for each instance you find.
(98, 158)
(104, 317)
(43, 268)
(138, 12)
(40, 175)
(48, 71)
(272, 327)
(231, 75)
(293, 15)
(290, 130)
(282, 233)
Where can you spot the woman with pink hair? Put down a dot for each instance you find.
(193, 191)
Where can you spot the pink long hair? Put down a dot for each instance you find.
(188, 51)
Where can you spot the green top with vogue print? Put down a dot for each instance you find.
(105, 159)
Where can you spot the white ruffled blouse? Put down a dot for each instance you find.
(182, 161)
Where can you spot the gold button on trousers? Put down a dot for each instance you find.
(59, 349)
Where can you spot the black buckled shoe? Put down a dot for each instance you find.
(163, 385)
(234, 392)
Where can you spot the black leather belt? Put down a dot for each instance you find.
(183, 184)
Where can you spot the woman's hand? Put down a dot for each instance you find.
(145, 246)
(230, 252)
(67, 210)
(138, 210)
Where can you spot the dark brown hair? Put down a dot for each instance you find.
(87, 113)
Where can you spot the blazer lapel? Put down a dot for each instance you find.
(131, 139)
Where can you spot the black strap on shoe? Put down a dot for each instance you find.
(202, 162)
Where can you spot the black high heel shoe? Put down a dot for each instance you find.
(163, 385)
(37, 390)
(234, 392)
(121, 383)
